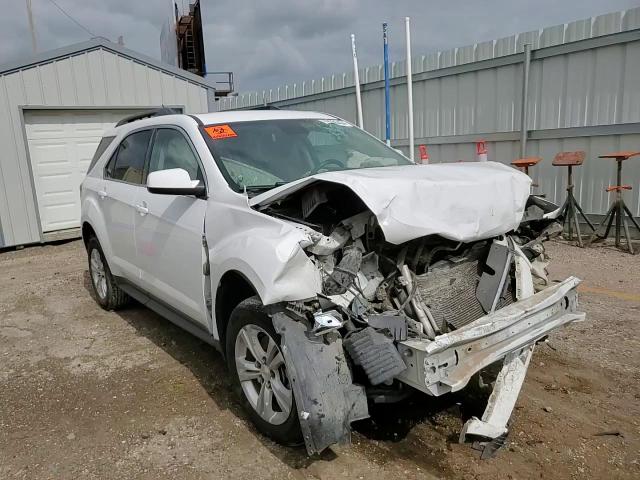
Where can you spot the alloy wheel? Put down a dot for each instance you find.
(263, 375)
(98, 274)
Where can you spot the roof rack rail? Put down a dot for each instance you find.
(265, 107)
(157, 112)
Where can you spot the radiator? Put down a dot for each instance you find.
(450, 294)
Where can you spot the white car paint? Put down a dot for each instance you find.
(485, 199)
(117, 200)
(268, 251)
(170, 178)
(178, 248)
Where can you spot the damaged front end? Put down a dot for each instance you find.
(427, 314)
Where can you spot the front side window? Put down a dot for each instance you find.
(259, 155)
(128, 162)
(172, 150)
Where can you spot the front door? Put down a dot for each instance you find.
(123, 182)
(169, 231)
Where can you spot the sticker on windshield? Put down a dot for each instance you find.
(220, 131)
(336, 121)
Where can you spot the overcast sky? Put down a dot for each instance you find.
(269, 43)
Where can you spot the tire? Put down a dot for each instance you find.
(266, 387)
(107, 292)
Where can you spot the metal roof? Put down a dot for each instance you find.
(96, 44)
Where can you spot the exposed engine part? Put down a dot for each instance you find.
(494, 275)
(312, 199)
(451, 294)
(372, 276)
(325, 322)
(539, 272)
(419, 308)
(344, 273)
(434, 250)
(327, 245)
(376, 354)
(357, 224)
(396, 325)
(299, 310)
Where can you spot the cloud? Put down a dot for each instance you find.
(268, 44)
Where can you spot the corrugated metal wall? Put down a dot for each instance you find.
(584, 93)
(94, 79)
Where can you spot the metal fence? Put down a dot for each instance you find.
(584, 94)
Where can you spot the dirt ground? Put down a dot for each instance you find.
(86, 393)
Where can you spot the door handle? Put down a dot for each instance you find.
(102, 194)
(142, 209)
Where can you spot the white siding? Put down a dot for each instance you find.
(92, 79)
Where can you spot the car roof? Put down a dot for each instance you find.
(219, 117)
(251, 115)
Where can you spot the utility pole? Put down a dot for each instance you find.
(407, 24)
(32, 27)
(356, 80)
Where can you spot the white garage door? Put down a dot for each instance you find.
(61, 145)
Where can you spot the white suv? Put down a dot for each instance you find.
(328, 269)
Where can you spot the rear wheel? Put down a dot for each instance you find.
(108, 294)
(260, 374)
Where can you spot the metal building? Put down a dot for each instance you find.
(54, 109)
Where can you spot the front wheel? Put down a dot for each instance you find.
(260, 374)
(108, 294)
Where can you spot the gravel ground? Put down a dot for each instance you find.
(86, 393)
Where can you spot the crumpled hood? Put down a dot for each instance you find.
(459, 201)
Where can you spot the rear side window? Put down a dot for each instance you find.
(102, 146)
(128, 162)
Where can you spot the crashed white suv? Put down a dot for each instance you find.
(328, 269)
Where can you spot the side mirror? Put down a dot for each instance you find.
(174, 181)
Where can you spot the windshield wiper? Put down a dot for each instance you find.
(262, 188)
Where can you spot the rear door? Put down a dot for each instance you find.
(123, 182)
(169, 230)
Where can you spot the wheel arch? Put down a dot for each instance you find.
(233, 288)
(87, 232)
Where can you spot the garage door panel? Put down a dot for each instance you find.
(61, 146)
(47, 126)
(85, 150)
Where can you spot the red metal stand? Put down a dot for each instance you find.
(571, 207)
(618, 208)
(525, 163)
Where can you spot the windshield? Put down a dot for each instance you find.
(263, 154)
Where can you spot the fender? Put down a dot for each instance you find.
(266, 250)
(92, 214)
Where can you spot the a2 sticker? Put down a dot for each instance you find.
(220, 131)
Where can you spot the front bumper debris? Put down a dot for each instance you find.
(447, 363)
(323, 388)
(502, 399)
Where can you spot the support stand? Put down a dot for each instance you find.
(618, 209)
(571, 207)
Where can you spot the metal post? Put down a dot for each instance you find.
(356, 79)
(619, 212)
(387, 100)
(407, 24)
(32, 27)
(525, 100)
